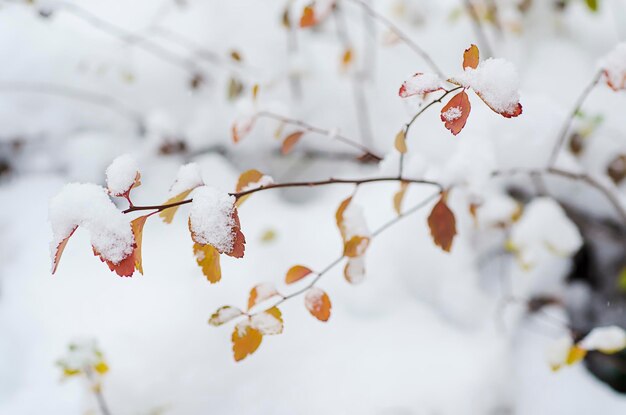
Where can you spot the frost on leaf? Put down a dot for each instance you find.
(496, 82)
(122, 175)
(242, 127)
(454, 114)
(296, 273)
(260, 293)
(137, 227)
(544, 231)
(614, 68)
(208, 259)
(421, 84)
(318, 303)
(224, 314)
(354, 271)
(442, 224)
(268, 322)
(471, 57)
(608, 340)
(251, 179)
(246, 340)
(188, 178)
(213, 220)
(290, 141)
(89, 206)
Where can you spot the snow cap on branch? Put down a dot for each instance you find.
(213, 219)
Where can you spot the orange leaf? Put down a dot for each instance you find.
(255, 91)
(137, 226)
(442, 224)
(241, 128)
(339, 215)
(400, 142)
(246, 340)
(59, 251)
(308, 17)
(208, 259)
(454, 114)
(247, 178)
(261, 292)
(356, 246)
(291, 141)
(471, 57)
(224, 314)
(168, 214)
(296, 273)
(124, 268)
(318, 303)
(398, 197)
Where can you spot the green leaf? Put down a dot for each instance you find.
(592, 4)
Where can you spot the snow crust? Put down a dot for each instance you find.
(211, 218)
(89, 206)
(497, 82)
(189, 177)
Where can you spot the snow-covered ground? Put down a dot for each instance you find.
(424, 333)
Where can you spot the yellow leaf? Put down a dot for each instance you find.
(346, 58)
(247, 178)
(246, 340)
(398, 197)
(71, 372)
(261, 292)
(400, 142)
(339, 215)
(208, 259)
(101, 367)
(575, 355)
(137, 227)
(269, 322)
(168, 214)
(356, 246)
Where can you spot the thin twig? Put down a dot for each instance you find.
(478, 29)
(330, 181)
(358, 86)
(408, 125)
(335, 262)
(96, 387)
(401, 35)
(317, 130)
(568, 121)
(74, 93)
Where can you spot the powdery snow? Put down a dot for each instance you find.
(452, 113)
(263, 181)
(189, 177)
(496, 81)
(121, 174)
(614, 65)
(354, 223)
(421, 84)
(544, 230)
(266, 323)
(211, 218)
(89, 206)
(606, 339)
(355, 270)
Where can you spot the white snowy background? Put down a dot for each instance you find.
(425, 332)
